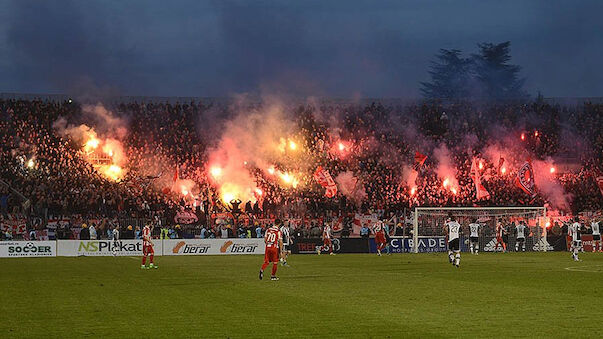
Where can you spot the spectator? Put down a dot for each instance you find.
(258, 230)
(92, 230)
(85, 232)
(365, 231)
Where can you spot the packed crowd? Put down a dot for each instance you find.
(44, 174)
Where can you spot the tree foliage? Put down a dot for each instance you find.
(485, 75)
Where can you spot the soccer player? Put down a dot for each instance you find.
(326, 240)
(286, 250)
(474, 228)
(594, 226)
(380, 241)
(574, 231)
(500, 231)
(274, 243)
(147, 247)
(520, 241)
(454, 250)
(115, 236)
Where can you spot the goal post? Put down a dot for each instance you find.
(428, 225)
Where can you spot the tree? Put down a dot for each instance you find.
(450, 76)
(497, 78)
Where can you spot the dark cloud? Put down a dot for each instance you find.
(331, 48)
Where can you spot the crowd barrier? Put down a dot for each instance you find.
(340, 245)
(99, 248)
(213, 246)
(236, 246)
(18, 249)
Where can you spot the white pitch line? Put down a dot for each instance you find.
(579, 269)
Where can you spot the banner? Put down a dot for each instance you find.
(360, 220)
(340, 245)
(39, 235)
(587, 242)
(405, 245)
(323, 177)
(480, 190)
(14, 226)
(185, 217)
(17, 249)
(213, 246)
(73, 248)
(525, 178)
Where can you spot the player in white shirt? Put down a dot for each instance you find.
(474, 229)
(115, 235)
(521, 231)
(453, 229)
(594, 226)
(286, 251)
(574, 231)
(326, 240)
(147, 247)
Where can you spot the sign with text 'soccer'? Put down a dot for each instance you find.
(73, 248)
(17, 249)
(213, 246)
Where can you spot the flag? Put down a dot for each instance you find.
(419, 161)
(501, 162)
(176, 174)
(600, 183)
(323, 177)
(525, 178)
(480, 190)
(420, 158)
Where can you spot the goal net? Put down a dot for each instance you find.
(429, 234)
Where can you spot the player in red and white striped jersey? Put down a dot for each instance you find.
(274, 244)
(147, 247)
(380, 240)
(326, 240)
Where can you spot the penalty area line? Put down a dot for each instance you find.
(583, 269)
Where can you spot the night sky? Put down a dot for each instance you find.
(323, 48)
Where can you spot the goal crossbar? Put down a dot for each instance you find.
(444, 210)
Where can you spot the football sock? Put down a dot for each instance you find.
(151, 258)
(264, 265)
(457, 260)
(144, 260)
(274, 267)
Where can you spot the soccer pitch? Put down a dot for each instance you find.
(343, 296)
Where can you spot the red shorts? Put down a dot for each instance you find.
(147, 249)
(380, 238)
(271, 254)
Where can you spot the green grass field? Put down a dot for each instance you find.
(343, 296)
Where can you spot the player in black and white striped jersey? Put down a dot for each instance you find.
(596, 231)
(474, 229)
(453, 229)
(574, 232)
(521, 231)
(286, 250)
